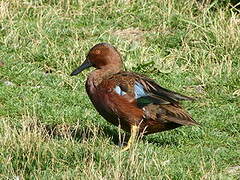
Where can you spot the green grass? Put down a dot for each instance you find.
(50, 130)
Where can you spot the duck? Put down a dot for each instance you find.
(131, 101)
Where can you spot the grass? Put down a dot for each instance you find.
(50, 130)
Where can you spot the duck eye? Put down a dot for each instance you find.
(97, 52)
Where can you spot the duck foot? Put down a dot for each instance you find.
(132, 139)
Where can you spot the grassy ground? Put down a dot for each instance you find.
(50, 130)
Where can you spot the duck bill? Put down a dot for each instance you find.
(86, 64)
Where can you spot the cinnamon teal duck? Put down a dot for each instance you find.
(132, 101)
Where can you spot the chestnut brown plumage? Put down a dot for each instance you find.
(131, 100)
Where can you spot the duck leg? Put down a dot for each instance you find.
(134, 133)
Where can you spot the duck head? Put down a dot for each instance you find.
(101, 56)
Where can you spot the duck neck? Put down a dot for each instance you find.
(97, 76)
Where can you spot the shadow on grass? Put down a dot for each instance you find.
(113, 134)
(80, 134)
(160, 142)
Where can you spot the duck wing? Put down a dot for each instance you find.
(157, 103)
